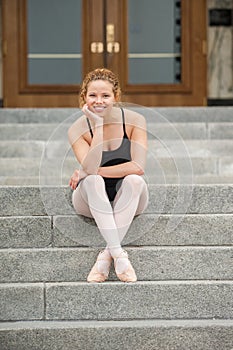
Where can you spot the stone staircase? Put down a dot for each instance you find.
(181, 247)
(186, 145)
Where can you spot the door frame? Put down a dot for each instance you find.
(193, 87)
(191, 91)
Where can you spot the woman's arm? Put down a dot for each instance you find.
(88, 155)
(77, 175)
(121, 170)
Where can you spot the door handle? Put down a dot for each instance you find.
(97, 47)
(110, 32)
(112, 45)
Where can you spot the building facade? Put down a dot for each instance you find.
(166, 53)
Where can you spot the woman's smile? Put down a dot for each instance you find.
(99, 109)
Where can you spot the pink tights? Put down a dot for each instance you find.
(113, 220)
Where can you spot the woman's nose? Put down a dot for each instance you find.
(99, 99)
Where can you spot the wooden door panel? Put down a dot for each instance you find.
(17, 91)
(192, 88)
(116, 16)
(93, 32)
(96, 15)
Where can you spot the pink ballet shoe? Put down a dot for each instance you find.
(95, 275)
(129, 275)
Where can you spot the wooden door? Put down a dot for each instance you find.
(157, 48)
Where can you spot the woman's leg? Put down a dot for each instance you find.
(90, 199)
(131, 199)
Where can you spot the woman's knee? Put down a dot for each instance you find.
(93, 180)
(135, 184)
(94, 183)
(136, 181)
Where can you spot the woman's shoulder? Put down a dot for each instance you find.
(78, 128)
(134, 118)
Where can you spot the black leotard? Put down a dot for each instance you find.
(117, 156)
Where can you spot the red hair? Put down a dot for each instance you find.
(99, 74)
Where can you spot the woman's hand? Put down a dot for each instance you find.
(97, 120)
(76, 177)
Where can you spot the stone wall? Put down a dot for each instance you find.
(1, 94)
(220, 50)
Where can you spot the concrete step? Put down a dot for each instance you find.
(151, 264)
(29, 167)
(181, 247)
(173, 149)
(116, 300)
(32, 131)
(159, 170)
(157, 180)
(46, 231)
(190, 130)
(154, 114)
(164, 199)
(37, 115)
(22, 149)
(192, 161)
(193, 148)
(40, 181)
(148, 229)
(118, 335)
(191, 114)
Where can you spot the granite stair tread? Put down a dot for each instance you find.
(131, 334)
(181, 247)
(164, 199)
(151, 264)
(19, 232)
(184, 130)
(182, 299)
(9, 148)
(155, 114)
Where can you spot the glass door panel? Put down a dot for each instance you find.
(54, 49)
(154, 36)
(156, 47)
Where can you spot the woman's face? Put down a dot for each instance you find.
(100, 97)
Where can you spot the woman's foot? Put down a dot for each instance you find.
(124, 270)
(100, 270)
